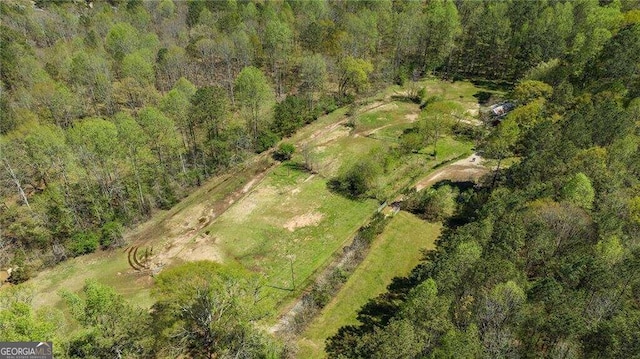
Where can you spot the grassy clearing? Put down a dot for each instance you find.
(111, 267)
(291, 214)
(262, 223)
(393, 254)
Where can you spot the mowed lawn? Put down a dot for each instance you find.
(289, 219)
(394, 253)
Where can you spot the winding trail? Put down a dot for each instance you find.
(466, 169)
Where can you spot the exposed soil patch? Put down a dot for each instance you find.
(333, 135)
(183, 227)
(411, 117)
(247, 187)
(467, 169)
(250, 202)
(303, 220)
(202, 249)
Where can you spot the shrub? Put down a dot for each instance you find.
(83, 243)
(433, 204)
(289, 115)
(326, 104)
(111, 234)
(284, 152)
(20, 274)
(411, 141)
(266, 140)
(369, 232)
(429, 100)
(22, 271)
(579, 191)
(357, 180)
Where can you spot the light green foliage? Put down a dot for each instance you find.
(255, 95)
(436, 120)
(278, 39)
(136, 66)
(20, 322)
(441, 203)
(579, 191)
(458, 343)
(543, 70)
(56, 102)
(467, 253)
(185, 87)
(176, 103)
(47, 151)
(208, 310)
(313, 73)
(122, 40)
(527, 116)
(502, 141)
(162, 134)
(634, 209)
(110, 325)
(96, 144)
(508, 296)
(166, 8)
(354, 74)
(529, 90)
(425, 310)
(610, 250)
(169, 66)
(285, 151)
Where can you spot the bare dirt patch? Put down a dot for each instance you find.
(202, 249)
(333, 135)
(183, 227)
(411, 117)
(304, 220)
(247, 187)
(467, 169)
(243, 209)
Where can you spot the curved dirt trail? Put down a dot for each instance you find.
(466, 169)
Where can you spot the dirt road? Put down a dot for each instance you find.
(467, 169)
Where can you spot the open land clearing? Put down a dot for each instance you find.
(271, 217)
(394, 253)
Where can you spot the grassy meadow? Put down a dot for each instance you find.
(394, 253)
(271, 217)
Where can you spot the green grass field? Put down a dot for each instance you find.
(268, 217)
(289, 216)
(393, 254)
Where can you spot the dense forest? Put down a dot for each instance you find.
(111, 110)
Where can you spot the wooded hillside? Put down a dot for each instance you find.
(112, 110)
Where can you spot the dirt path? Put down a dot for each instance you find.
(467, 169)
(182, 227)
(184, 243)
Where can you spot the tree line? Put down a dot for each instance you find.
(111, 109)
(542, 259)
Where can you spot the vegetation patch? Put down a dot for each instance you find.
(392, 254)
